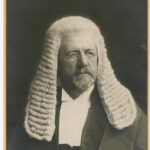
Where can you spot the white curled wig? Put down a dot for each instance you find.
(117, 100)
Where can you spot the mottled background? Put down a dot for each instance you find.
(123, 24)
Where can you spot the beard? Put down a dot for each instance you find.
(83, 81)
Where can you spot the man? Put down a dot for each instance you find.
(75, 100)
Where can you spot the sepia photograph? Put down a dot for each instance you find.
(76, 75)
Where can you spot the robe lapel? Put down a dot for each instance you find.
(94, 125)
(114, 139)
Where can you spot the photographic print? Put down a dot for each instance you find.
(76, 75)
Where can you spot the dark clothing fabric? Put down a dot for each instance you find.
(68, 147)
(97, 133)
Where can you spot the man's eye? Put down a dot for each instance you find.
(72, 54)
(90, 53)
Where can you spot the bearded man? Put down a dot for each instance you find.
(75, 100)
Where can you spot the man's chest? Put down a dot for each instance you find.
(97, 133)
(93, 125)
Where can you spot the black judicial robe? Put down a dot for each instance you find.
(97, 133)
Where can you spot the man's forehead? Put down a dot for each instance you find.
(78, 41)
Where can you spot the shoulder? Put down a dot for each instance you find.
(16, 138)
(20, 140)
(141, 130)
(141, 118)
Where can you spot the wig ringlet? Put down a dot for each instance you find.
(117, 100)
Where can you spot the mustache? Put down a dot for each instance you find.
(84, 71)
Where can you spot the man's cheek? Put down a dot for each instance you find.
(68, 71)
(70, 67)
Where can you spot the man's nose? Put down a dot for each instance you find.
(83, 60)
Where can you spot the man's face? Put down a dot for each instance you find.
(77, 62)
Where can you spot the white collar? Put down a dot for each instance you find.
(82, 98)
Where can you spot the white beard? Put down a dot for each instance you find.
(83, 81)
